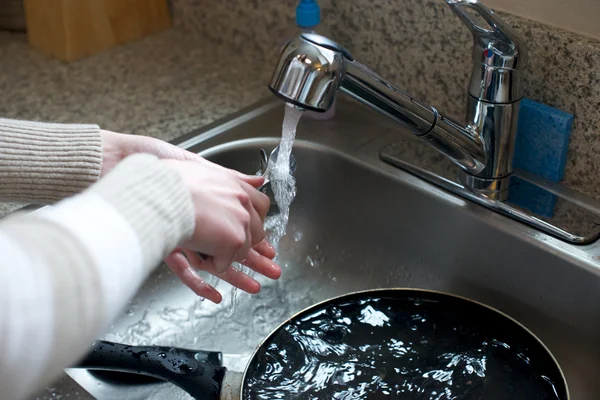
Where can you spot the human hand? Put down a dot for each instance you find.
(184, 264)
(229, 213)
(117, 146)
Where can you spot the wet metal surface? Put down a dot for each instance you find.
(358, 223)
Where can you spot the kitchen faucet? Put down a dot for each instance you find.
(312, 68)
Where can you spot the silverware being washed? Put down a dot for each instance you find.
(266, 164)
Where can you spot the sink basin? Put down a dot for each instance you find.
(359, 223)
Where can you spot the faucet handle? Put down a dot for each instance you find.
(496, 49)
(499, 46)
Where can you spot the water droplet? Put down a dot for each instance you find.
(332, 278)
(336, 312)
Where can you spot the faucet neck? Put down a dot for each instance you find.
(312, 68)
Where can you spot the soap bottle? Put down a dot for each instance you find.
(308, 20)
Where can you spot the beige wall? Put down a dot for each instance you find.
(581, 16)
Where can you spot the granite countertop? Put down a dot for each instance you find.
(164, 86)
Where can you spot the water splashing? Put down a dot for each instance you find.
(282, 181)
(284, 189)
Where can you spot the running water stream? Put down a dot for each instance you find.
(283, 185)
(282, 181)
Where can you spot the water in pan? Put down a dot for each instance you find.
(406, 349)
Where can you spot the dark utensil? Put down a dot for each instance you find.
(377, 344)
(196, 372)
(266, 164)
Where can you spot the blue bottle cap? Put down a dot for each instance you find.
(308, 14)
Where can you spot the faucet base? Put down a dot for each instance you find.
(550, 208)
(494, 189)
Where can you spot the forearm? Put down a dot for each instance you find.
(42, 163)
(67, 271)
(55, 294)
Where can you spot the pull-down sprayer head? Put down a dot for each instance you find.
(309, 72)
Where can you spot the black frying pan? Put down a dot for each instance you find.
(376, 344)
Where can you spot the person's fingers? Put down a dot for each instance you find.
(260, 201)
(164, 150)
(257, 232)
(226, 240)
(231, 275)
(250, 225)
(220, 263)
(240, 280)
(183, 270)
(258, 211)
(223, 262)
(265, 249)
(253, 180)
(230, 238)
(262, 265)
(226, 257)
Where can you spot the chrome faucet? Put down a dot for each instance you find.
(312, 68)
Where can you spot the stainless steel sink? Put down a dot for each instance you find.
(359, 223)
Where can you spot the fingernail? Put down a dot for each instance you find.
(214, 293)
(226, 271)
(221, 269)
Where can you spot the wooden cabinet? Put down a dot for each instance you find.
(73, 29)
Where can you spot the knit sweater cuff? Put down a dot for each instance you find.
(42, 162)
(153, 199)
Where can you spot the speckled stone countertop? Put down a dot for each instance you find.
(163, 86)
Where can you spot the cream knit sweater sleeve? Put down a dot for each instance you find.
(42, 163)
(67, 270)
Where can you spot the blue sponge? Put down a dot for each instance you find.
(541, 148)
(542, 140)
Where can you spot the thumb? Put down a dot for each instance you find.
(222, 263)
